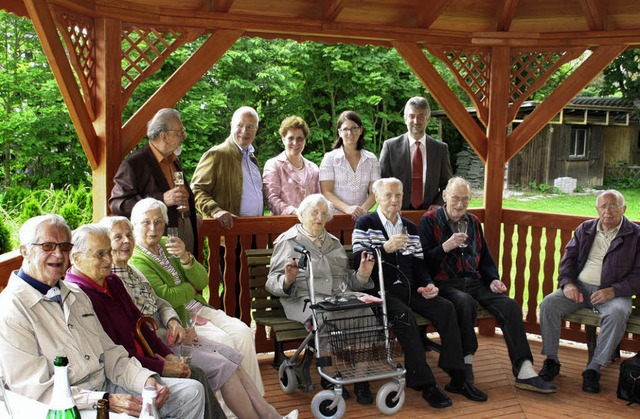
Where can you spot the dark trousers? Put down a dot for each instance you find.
(442, 314)
(463, 293)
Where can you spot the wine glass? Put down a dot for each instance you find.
(461, 227)
(178, 180)
(342, 286)
(405, 248)
(171, 233)
(186, 353)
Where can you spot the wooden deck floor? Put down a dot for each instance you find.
(493, 376)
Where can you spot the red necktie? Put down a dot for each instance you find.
(416, 178)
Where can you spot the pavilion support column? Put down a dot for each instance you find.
(108, 123)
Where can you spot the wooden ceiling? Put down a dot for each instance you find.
(539, 23)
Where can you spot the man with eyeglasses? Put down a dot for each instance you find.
(600, 269)
(150, 172)
(227, 181)
(42, 317)
(461, 266)
(421, 162)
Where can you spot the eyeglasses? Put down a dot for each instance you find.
(295, 139)
(101, 255)
(352, 130)
(181, 132)
(464, 199)
(51, 246)
(148, 223)
(248, 127)
(612, 207)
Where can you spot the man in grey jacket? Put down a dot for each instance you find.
(42, 317)
(600, 270)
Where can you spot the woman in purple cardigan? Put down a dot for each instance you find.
(289, 177)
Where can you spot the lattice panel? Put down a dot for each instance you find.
(79, 35)
(471, 69)
(531, 69)
(143, 52)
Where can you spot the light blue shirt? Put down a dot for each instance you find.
(252, 202)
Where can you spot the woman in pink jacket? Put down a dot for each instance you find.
(289, 177)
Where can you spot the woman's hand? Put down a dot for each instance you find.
(190, 335)
(367, 263)
(173, 367)
(355, 211)
(176, 247)
(290, 272)
(162, 392)
(177, 331)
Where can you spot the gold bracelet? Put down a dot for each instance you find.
(189, 261)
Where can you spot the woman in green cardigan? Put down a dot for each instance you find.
(177, 276)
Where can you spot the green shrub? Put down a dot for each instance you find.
(30, 209)
(72, 214)
(5, 238)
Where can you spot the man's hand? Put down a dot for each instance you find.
(176, 196)
(395, 243)
(225, 218)
(175, 368)
(602, 296)
(456, 240)
(429, 292)
(571, 292)
(162, 392)
(125, 403)
(497, 287)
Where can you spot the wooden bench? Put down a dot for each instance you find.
(267, 311)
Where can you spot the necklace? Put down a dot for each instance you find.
(296, 166)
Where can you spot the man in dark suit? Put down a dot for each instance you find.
(149, 172)
(424, 174)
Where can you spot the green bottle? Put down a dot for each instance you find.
(62, 405)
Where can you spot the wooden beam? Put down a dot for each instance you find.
(331, 9)
(59, 63)
(595, 13)
(425, 16)
(221, 6)
(557, 100)
(506, 12)
(414, 56)
(177, 85)
(108, 112)
(497, 133)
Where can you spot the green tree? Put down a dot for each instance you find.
(623, 76)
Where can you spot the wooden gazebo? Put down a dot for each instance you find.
(500, 51)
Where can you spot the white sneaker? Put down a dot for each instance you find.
(292, 415)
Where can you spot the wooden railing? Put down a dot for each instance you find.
(532, 245)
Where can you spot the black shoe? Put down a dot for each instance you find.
(591, 381)
(363, 393)
(326, 385)
(468, 373)
(536, 384)
(550, 369)
(436, 397)
(468, 390)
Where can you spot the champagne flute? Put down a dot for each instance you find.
(186, 353)
(461, 227)
(342, 286)
(171, 233)
(178, 180)
(405, 248)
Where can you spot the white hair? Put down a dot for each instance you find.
(81, 236)
(382, 182)
(145, 205)
(312, 201)
(30, 230)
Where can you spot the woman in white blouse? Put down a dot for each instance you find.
(348, 171)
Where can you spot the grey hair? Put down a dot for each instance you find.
(29, 232)
(455, 181)
(160, 122)
(619, 197)
(418, 102)
(81, 235)
(109, 222)
(312, 201)
(235, 119)
(145, 205)
(382, 182)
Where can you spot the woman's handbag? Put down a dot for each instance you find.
(629, 381)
